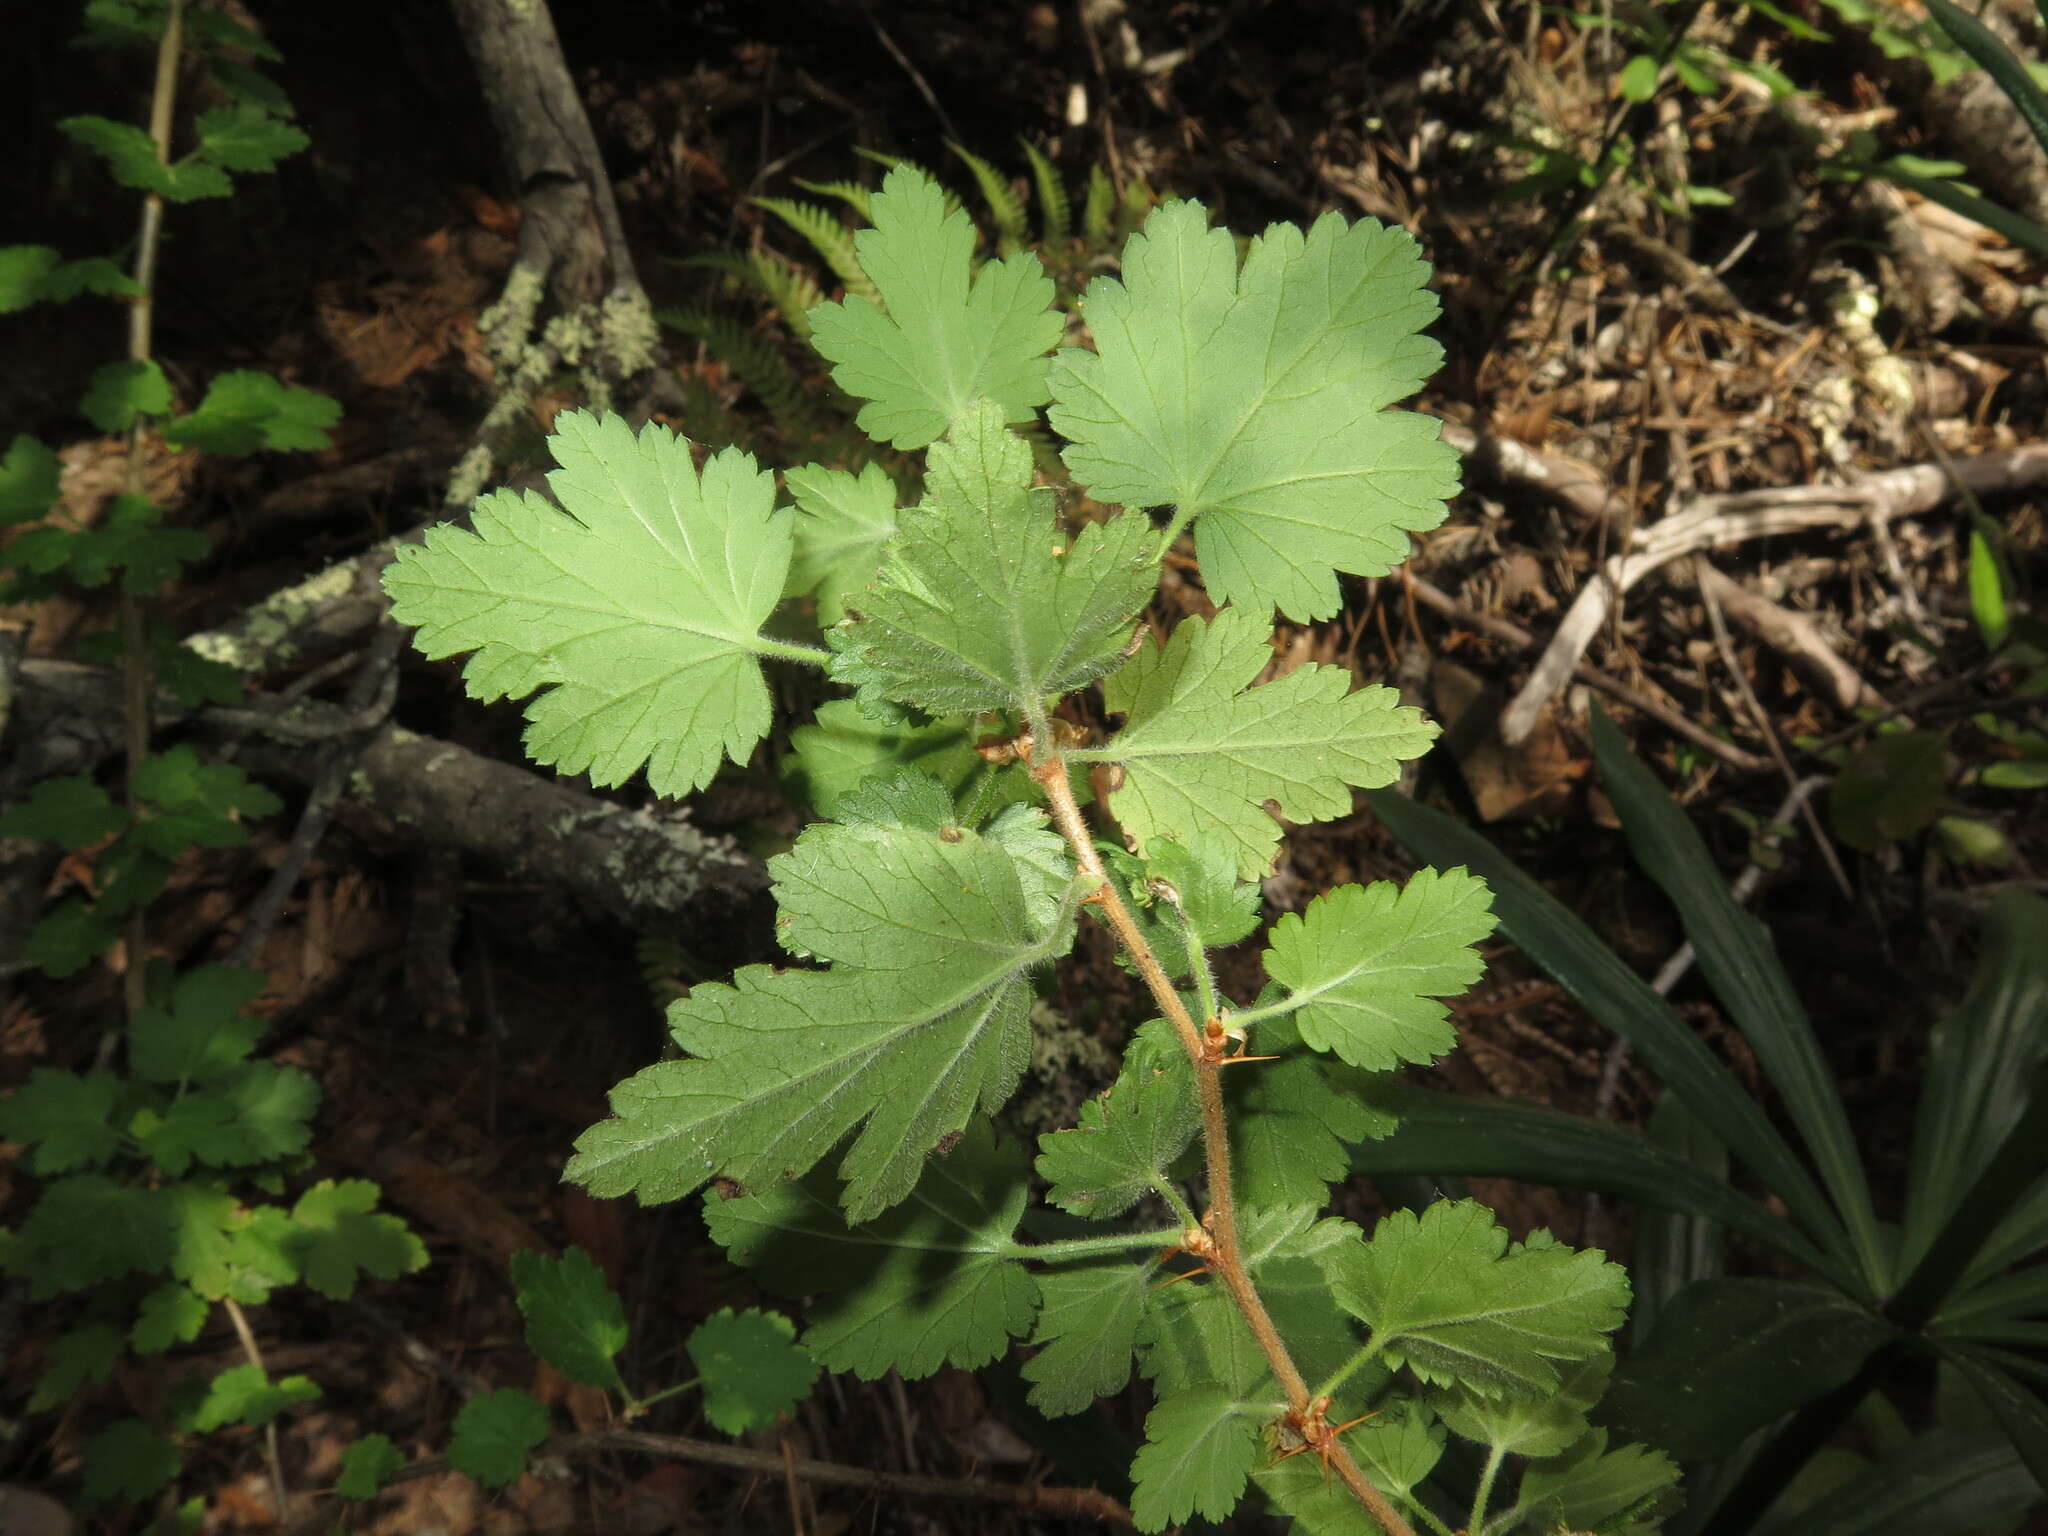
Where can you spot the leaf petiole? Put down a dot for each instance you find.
(1067, 1249)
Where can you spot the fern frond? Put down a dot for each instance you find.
(831, 239)
(1138, 200)
(1100, 207)
(758, 363)
(851, 193)
(1056, 214)
(1004, 206)
(781, 281)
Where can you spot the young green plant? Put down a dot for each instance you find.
(152, 1208)
(846, 1108)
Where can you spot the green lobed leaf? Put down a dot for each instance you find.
(1193, 1334)
(196, 1127)
(203, 1036)
(1193, 871)
(68, 937)
(170, 1314)
(248, 411)
(269, 1115)
(894, 897)
(788, 1064)
(67, 1117)
(1127, 1139)
(637, 606)
(494, 1434)
(88, 1229)
(23, 271)
(1293, 1120)
(222, 1249)
(1397, 1448)
(130, 537)
(1592, 1488)
(28, 480)
(131, 159)
(245, 1394)
(246, 138)
(73, 1360)
(1087, 1332)
(1201, 747)
(938, 1280)
(91, 274)
(1364, 964)
(71, 812)
(984, 604)
(1527, 1426)
(939, 341)
(842, 525)
(121, 391)
(574, 1321)
(366, 1466)
(1254, 401)
(337, 1234)
(846, 746)
(1446, 1294)
(128, 1462)
(752, 1368)
(191, 801)
(1201, 1445)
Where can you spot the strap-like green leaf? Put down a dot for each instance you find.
(1738, 960)
(1978, 1067)
(1732, 1355)
(1586, 967)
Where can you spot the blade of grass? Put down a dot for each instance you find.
(1591, 972)
(1738, 961)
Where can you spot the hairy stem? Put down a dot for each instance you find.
(1483, 1494)
(134, 639)
(1221, 1222)
(1065, 1249)
(251, 1351)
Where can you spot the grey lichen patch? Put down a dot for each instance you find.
(507, 324)
(632, 341)
(467, 481)
(1068, 1066)
(262, 639)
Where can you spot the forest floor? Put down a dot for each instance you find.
(1689, 334)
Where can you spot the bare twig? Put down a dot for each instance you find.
(1224, 1252)
(1795, 637)
(1733, 663)
(1513, 634)
(1709, 522)
(254, 1354)
(1089, 1504)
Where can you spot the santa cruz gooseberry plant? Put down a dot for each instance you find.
(843, 1109)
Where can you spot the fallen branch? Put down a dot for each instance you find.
(1715, 522)
(641, 867)
(1513, 634)
(1089, 1504)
